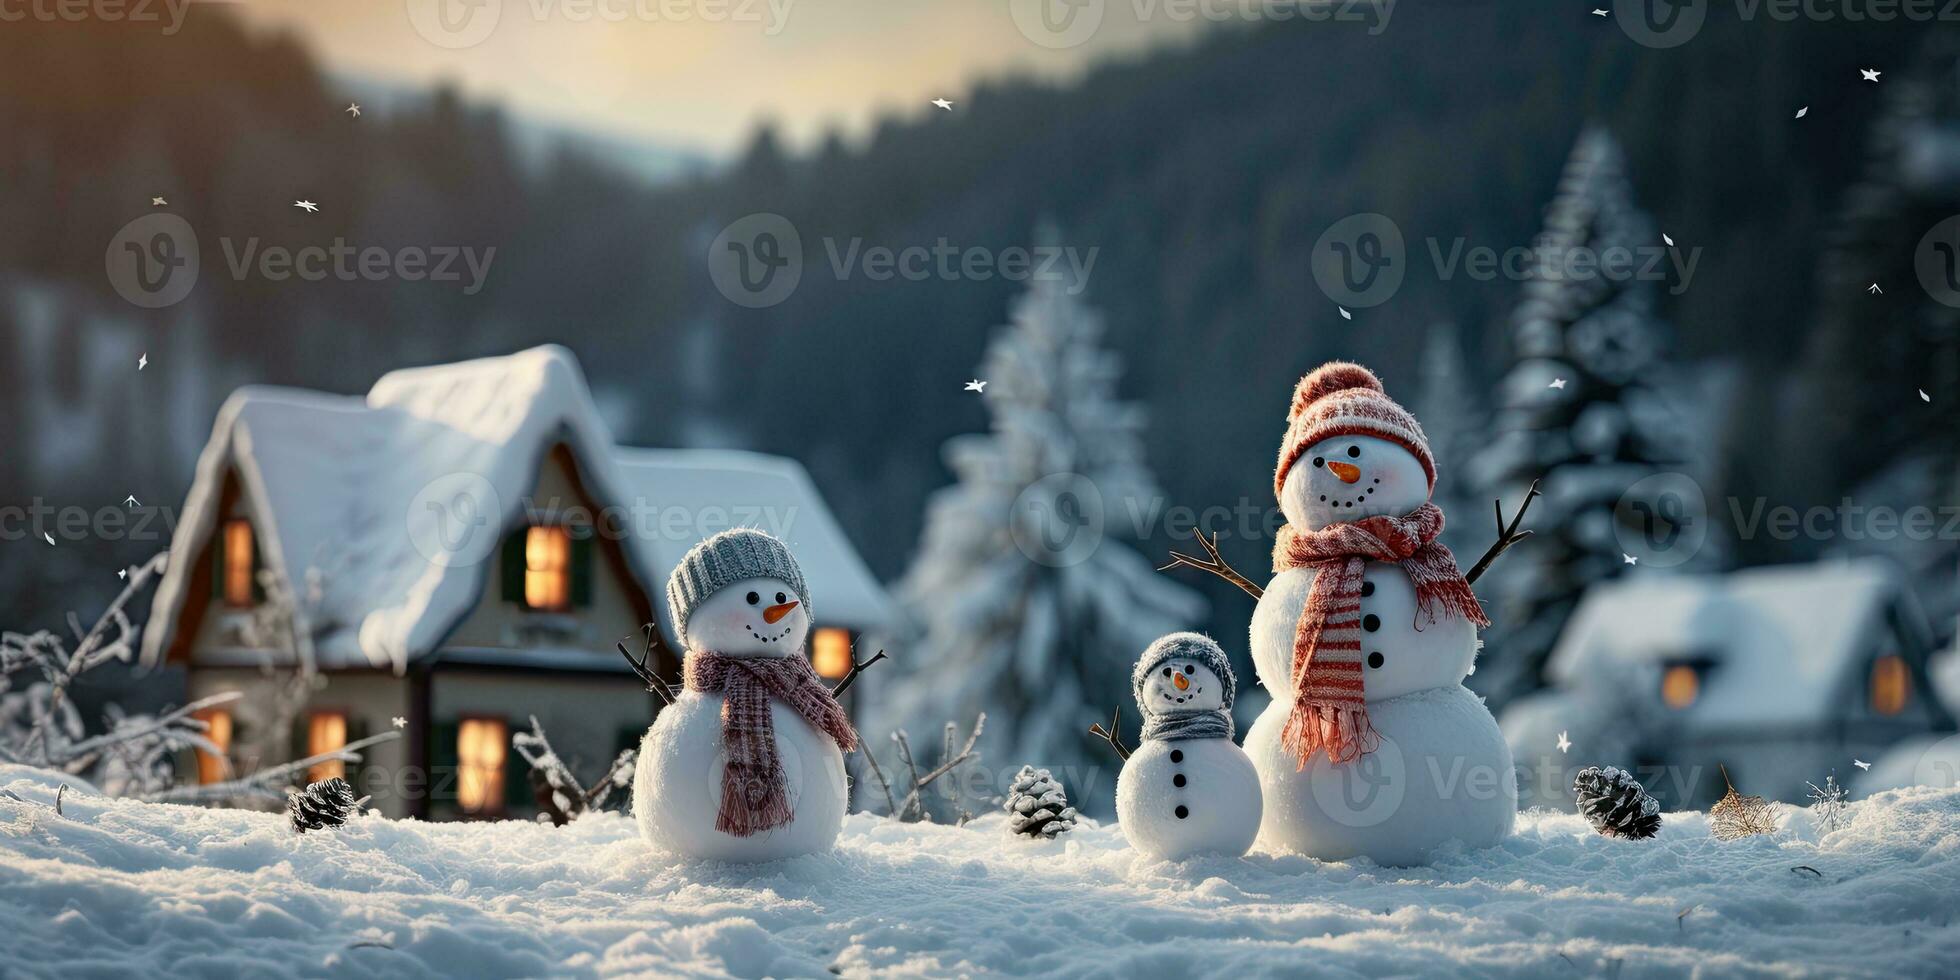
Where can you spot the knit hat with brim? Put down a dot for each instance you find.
(1184, 646)
(1344, 399)
(723, 560)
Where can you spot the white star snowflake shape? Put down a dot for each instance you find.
(1564, 744)
(1557, 383)
(399, 722)
(157, 202)
(307, 206)
(943, 104)
(142, 362)
(976, 385)
(1860, 763)
(354, 109)
(1631, 560)
(1870, 74)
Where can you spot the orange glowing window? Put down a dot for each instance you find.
(548, 568)
(1680, 685)
(1891, 685)
(480, 747)
(217, 728)
(830, 652)
(239, 549)
(326, 731)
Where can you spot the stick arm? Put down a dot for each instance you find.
(1216, 564)
(1111, 735)
(857, 667)
(1506, 535)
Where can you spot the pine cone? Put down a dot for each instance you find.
(1616, 804)
(327, 803)
(1037, 806)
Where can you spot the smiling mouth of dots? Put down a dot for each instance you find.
(1195, 691)
(1350, 503)
(770, 639)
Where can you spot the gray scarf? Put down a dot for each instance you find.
(1175, 726)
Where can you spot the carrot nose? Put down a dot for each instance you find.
(1178, 678)
(776, 612)
(1348, 472)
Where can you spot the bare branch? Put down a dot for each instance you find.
(1216, 564)
(655, 685)
(1506, 536)
(856, 669)
(260, 784)
(1110, 734)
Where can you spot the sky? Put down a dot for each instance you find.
(702, 74)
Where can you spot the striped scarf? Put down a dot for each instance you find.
(1330, 711)
(754, 794)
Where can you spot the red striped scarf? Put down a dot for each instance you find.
(754, 794)
(1330, 710)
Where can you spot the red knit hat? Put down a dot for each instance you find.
(1341, 398)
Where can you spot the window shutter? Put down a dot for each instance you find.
(356, 730)
(519, 801)
(258, 565)
(442, 767)
(512, 566)
(583, 538)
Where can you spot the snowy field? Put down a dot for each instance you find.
(112, 886)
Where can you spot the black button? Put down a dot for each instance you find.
(1375, 660)
(1177, 755)
(1177, 780)
(1367, 588)
(1182, 812)
(1371, 622)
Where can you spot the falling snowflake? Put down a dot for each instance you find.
(1923, 396)
(1564, 744)
(1345, 315)
(1666, 239)
(1802, 112)
(1860, 763)
(400, 722)
(49, 538)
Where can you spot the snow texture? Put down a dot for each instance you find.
(126, 888)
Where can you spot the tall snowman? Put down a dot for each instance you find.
(747, 762)
(1187, 789)
(1372, 745)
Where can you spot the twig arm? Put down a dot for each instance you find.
(1215, 564)
(655, 685)
(1110, 734)
(857, 668)
(1507, 535)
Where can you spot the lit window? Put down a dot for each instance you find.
(326, 731)
(217, 728)
(1680, 686)
(480, 747)
(238, 563)
(1891, 685)
(548, 568)
(830, 652)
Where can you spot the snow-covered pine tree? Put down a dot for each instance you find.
(1037, 806)
(1028, 605)
(1454, 421)
(1588, 439)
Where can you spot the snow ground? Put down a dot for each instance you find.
(115, 887)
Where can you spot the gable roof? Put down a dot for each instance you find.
(1783, 639)
(382, 514)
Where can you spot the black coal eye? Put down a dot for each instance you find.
(754, 598)
(1354, 451)
(780, 598)
(1167, 672)
(1189, 670)
(1319, 461)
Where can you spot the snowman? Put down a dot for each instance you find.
(1187, 789)
(746, 763)
(1372, 745)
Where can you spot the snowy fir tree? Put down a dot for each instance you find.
(1027, 603)
(1454, 421)
(1579, 411)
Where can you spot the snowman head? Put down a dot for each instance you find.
(740, 593)
(1183, 673)
(1350, 451)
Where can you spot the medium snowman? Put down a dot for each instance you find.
(1187, 789)
(1372, 745)
(747, 762)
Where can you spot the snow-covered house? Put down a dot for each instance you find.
(457, 552)
(1780, 673)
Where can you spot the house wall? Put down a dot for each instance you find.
(371, 699)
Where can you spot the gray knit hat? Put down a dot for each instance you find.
(1184, 646)
(723, 560)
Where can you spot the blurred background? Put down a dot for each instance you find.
(1795, 351)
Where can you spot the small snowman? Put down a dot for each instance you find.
(1187, 789)
(747, 762)
(1372, 745)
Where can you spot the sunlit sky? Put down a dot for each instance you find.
(703, 73)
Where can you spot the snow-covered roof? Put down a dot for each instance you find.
(685, 495)
(382, 514)
(1780, 639)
